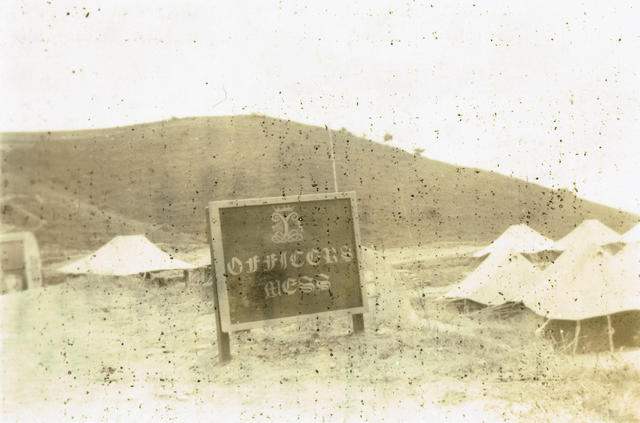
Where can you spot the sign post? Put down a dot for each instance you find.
(283, 258)
(224, 346)
(358, 318)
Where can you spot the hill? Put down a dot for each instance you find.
(158, 177)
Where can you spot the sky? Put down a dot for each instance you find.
(546, 91)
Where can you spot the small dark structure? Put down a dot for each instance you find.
(20, 266)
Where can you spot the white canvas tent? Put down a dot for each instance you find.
(503, 277)
(632, 235)
(628, 267)
(583, 283)
(126, 255)
(590, 231)
(201, 258)
(519, 238)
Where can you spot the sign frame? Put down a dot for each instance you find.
(218, 260)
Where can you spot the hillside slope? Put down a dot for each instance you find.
(158, 178)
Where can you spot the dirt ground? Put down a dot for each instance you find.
(123, 349)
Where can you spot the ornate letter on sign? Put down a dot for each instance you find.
(287, 226)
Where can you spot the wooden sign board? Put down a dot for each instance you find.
(277, 259)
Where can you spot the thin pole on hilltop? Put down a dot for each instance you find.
(610, 331)
(358, 318)
(333, 159)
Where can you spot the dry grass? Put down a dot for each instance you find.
(612, 392)
(439, 271)
(122, 343)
